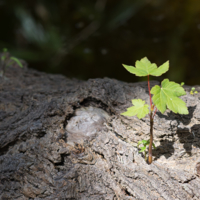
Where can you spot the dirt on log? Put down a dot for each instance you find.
(65, 139)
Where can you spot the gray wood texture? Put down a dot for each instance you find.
(65, 139)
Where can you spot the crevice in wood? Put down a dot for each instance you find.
(127, 193)
(41, 134)
(62, 162)
(5, 149)
(90, 101)
(120, 137)
(100, 154)
(68, 117)
(187, 181)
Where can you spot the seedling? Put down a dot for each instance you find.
(182, 83)
(166, 96)
(7, 60)
(144, 148)
(193, 91)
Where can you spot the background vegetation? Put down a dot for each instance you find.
(91, 39)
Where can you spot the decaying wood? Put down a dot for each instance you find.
(65, 139)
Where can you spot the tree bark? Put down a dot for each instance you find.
(63, 138)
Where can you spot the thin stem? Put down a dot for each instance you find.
(151, 138)
(154, 113)
(149, 92)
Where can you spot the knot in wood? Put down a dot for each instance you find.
(86, 123)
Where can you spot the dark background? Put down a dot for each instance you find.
(91, 39)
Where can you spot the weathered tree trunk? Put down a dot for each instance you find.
(65, 139)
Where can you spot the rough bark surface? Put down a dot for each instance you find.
(65, 139)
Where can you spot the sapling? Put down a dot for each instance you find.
(164, 96)
(145, 143)
(7, 60)
(193, 91)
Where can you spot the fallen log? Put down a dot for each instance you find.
(64, 138)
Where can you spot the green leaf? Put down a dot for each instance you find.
(140, 142)
(142, 149)
(161, 70)
(195, 92)
(193, 88)
(144, 142)
(154, 146)
(167, 97)
(144, 67)
(182, 83)
(140, 109)
(17, 61)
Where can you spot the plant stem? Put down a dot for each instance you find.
(151, 138)
(151, 125)
(154, 113)
(149, 93)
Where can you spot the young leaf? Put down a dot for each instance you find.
(167, 97)
(144, 67)
(140, 109)
(154, 146)
(144, 142)
(140, 142)
(142, 149)
(161, 70)
(17, 61)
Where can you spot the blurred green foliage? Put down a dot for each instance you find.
(7, 60)
(90, 39)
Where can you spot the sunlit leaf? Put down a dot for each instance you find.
(144, 142)
(144, 67)
(140, 109)
(161, 70)
(142, 149)
(167, 95)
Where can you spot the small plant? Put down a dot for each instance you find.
(144, 148)
(166, 96)
(7, 60)
(193, 91)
